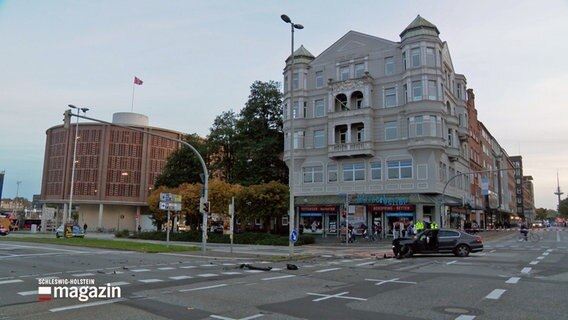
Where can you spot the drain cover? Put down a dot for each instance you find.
(456, 310)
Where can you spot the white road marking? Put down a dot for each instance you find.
(118, 283)
(83, 274)
(205, 275)
(166, 268)
(187, 267)
(395, 280)
(540, 258)
(204, 288)
(513, 280)
(327, 270)
(495, 294)
(465, 317)
(181, 277)
(150, 280)
(140, 270)
(279, 277)
(28, 293)
(534, 262)
(526, 270)
(365, 263)
(230, 273)
(337, 295)
(245, 318)
(11, 281)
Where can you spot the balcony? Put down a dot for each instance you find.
(350, 150)
(463, 133)
(353, 115)
(453, 153)
(427, 142)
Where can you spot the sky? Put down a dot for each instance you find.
(199, 58)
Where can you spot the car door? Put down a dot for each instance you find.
(422, 242)
(447, 240)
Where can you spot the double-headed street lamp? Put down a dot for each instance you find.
(291, 220)
(66, 216)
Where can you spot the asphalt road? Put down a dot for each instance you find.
(508, 280)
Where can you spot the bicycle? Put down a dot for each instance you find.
(533, 237)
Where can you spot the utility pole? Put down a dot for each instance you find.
(558, 192)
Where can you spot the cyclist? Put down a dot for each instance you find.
(524, 231)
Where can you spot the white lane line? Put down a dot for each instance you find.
(540, 258)
(204, 288)
(495, 294)
(205, 275)
(327, 270)
(187, 267)
(526, 270)
(545, 253)
(28, 293)
(207, 265)
(150, 280)
(181, 277)
(452, 262)
(118, 283)
(534, 262)
(11, 281)
(87, 274)
(86, 305)
(513, 280)
(140, 270)
(166, 268)
(365, 263)
(229, 264)
(254, 271)
(279, 277)
(230, 273)
(465, 317)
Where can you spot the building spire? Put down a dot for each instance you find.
(558, 192)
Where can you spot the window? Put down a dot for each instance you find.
(390, 97)
(360, 133)
(295, 80)
(432, 90)
(319, 109)
(389, 66)
(419, 125)
(450, 137)
(391, 130)
(296, 110)
(430, 57)
(399, 169)
(354, 171)
(319, 138)
(319, 79)
(416, 90)
(305, 113)
(298, 139)
(405, 92)
(332, 173)
(404, 60)
(415, 57)
(313, 174)
(459, 91)
(343, 135)
(343, 73)
(376, 170)
(359, 70)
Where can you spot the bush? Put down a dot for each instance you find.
(122, 234)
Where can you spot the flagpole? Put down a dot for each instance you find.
(132, 107)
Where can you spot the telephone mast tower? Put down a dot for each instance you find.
(558, 192)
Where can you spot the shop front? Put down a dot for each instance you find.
(319, 220)
(393, 219)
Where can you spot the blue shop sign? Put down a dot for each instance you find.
(379, 199)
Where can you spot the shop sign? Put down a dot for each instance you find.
(318, 209)
(379, 199)
(377, 208)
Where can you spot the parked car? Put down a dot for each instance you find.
(453, 241)
(76, 231)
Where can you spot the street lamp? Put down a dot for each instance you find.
(66, 216)
(292, 213)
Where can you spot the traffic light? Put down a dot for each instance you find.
(206, 207)
(203, 205)
(67, 118)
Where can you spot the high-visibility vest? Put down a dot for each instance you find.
(419, 225)
(434, 226)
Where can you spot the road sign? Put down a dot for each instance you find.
(294, 236)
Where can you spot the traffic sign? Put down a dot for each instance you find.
(294, 236)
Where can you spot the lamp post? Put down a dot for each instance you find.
(68, 214)
(292, 220)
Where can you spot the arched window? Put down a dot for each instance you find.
(357, 100)
(341, 102)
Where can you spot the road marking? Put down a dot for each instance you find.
(254, 271)
(280, 277)
(526, 270)
(188, 267)
(495, 294)
(207, 265)
(204, 288)
(28, 293)
(540, 258)
(534, 262)
(230, 273)
(140, 270)
(205, 275)
(465, 317)
(545, 253)
(181, 277)
(395, 280)
(166, 268)
(83, 274)
(337, 295)
(452, 262)
(150, 280)
(513, 280)
(86, 305)
(365, 263)
(245, 318)
(118, 283)
(229, 264)
(327, 270)
(11, 281)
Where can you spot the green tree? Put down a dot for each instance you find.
(263, 201)
(563, 208)
(221, 143)
(540, 213)
(260, 140)
(183, 165)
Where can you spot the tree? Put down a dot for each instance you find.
(563, 208)
(183, 165)
(263, 201)
(260, 140)
(221, 144)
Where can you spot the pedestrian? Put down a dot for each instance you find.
(139, 228)
(85, 228)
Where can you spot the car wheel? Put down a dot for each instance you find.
(462, 250)
(407, 251)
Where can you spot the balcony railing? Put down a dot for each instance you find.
(352, 149)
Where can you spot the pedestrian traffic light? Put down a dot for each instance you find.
(206, 207)
(67, 118)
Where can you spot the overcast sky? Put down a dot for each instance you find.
(199, 58)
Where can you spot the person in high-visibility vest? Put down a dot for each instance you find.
(434, 225)
(419, 226)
